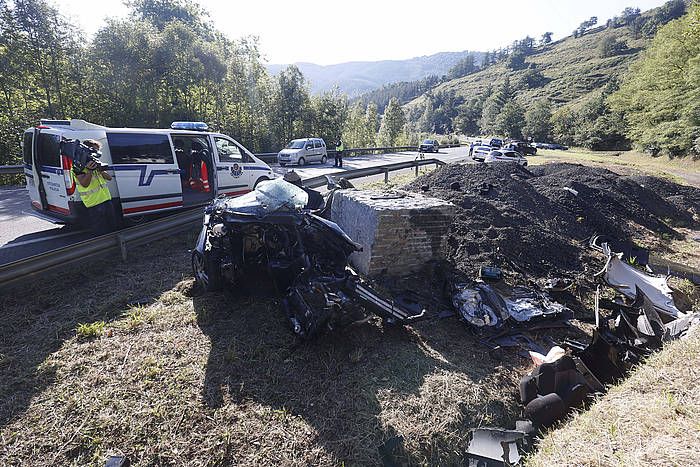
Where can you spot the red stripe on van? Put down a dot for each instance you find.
(236, 193)
(152, 207)
(58, 209)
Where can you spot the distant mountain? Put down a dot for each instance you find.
(354, 78)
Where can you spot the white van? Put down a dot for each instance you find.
(155, 170)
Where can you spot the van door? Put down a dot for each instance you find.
(51, 181)
(231, 174)
(29, 175)
(147, 175)
(194, 158)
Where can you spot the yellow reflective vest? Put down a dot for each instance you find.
(96, 192)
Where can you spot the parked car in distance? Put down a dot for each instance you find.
(522, 147)
(429, 145)
(302, 151)
(480, 152)
(495, 143)
(506, 155)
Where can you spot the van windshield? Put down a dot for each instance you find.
(296, 144)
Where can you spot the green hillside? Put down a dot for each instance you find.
(555, 91)
(572, 69)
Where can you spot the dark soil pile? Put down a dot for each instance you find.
(537, 222)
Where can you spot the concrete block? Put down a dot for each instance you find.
(399, 231)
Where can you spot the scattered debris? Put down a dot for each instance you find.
(490, 273)
(627, 280)
(483, 305)
(496, 447)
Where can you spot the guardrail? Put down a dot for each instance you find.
(28, 268)
(265, 156)
(11, 169)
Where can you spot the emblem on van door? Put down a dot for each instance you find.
(236, 170)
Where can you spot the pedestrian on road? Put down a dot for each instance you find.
(339, 148)
(91, 184)
(471, 148)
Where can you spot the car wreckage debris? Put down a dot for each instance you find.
(627, 279)
(485, 306)
(271, 231)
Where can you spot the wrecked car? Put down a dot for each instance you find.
(271, 236)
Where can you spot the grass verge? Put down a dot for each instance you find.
(172, 376)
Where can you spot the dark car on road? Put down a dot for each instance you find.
(522, 147)
(429, 145)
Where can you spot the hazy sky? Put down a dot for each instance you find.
(327, 31)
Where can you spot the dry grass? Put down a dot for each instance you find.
(684, 170)
(652, 418)
(182, 378)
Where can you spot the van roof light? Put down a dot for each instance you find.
(196, 126)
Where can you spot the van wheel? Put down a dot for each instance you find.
(302, 161)
(323, 159)
(207, 271)
(261, 179)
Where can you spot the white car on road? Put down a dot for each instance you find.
(506, 155)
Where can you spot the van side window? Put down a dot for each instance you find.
(228, 152)
(317, 143)
(140, 148)
(49, 150)
(27, 148)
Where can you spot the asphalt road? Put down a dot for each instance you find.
(22, 234)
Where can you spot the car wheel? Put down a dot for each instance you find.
(525, 164)
(302, 161)
(323, 159)
(206, 271)
(261, 179)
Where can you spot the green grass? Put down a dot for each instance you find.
(90, 330)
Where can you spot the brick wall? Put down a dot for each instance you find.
(399, 231)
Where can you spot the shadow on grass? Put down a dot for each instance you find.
(39, 316)
(338, 382)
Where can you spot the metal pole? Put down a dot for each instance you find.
(386, 176)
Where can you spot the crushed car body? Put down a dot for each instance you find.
(272, 233)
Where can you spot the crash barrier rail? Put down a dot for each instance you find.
(272, 156)
(11, 169)
(265, 156)
(321, 180)
(27, 268)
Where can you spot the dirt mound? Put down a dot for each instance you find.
(537, 221)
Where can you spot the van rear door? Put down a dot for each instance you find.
(29, 175)
(146, 172)
(51, 182)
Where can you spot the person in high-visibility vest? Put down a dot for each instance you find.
(91, 184)
(339, 148)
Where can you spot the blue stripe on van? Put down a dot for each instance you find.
(143, 180)
(256, 167)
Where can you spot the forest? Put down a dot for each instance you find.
(166, 61)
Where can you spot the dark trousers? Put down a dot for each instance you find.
(102, 219)
(338, 159)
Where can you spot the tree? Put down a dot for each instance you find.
(516, 60)
(292, 102)
(659, 95)
(462, 68)
(329, 113)
(538, 121)
(546, 38)
(510, 120)
(393, 123)
(609, 46)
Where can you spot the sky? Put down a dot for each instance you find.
(327, 31)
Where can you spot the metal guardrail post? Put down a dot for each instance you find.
(386, 176)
